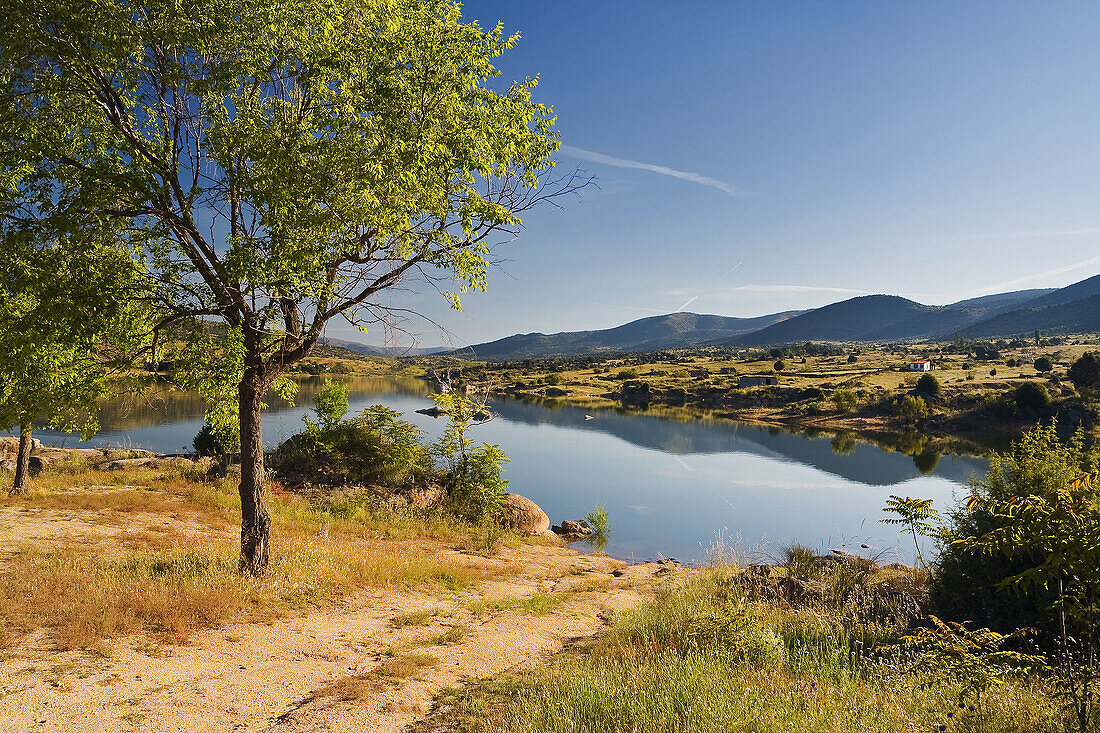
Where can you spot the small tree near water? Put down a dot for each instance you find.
(475, 484)
(916, 517)
(330, 404)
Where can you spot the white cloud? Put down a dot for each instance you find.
(611, 160)
(1001, 287)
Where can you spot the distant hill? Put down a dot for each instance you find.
(888, 318)
(1075, 308)
(675, 330)
(1078, 316)
(359, 348)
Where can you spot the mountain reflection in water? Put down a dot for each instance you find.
(671, 486)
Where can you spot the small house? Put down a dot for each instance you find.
(920, 366)
(757, 380)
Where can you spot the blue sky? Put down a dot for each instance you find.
(762, 156)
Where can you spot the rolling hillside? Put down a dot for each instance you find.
(888, 318)
(675, 330)
(1075, 308)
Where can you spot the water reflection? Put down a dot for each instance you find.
(670, 482)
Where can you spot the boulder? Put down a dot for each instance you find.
(10, 445)
(146, 462)
(35, 465)
(125, 463)
(523, 515)
(572, 529)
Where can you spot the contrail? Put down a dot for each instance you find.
(663, 170)
(714, 285)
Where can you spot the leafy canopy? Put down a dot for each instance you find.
(68, 309)
(276, 164)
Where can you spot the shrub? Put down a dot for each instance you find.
(811, 393)
(217, 441)
(475, 487)
(1085, 372)
(910, 407)
(627, 374)
(845, 399)
(1032, 396)
(330, 404)
(928, 384)
(779, 366)
(968, 584)
(375, 447)
(473, 473)
(554, 378)
(1043, 364)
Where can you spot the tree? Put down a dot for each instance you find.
(970, 582)
(278, 166)
(1085, 372)
(66, 311)
(1032, 396)
(916, 517)
(1043, 364)
(928, 384)
(910, 407)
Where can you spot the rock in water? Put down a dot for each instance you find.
(524, 515)
(572, 529)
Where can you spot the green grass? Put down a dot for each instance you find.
(705, 658)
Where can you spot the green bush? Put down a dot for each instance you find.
(910, 407)
(1085, 372)
(1043, 364)
(217, 441)
(928, 384)
(1002, 407)
(1032, 396)
(473, 474)
(330, 404)
(376, 447)
(967, 585)
(845, 399)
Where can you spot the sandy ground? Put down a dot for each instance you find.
(325, 671)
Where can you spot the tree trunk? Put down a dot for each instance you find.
(255, 521)
(22, 460)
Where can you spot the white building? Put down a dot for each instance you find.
(920, 366)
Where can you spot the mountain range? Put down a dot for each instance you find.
(869, 318)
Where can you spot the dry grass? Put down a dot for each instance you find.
(402, 666)
(451, 636)
(359, 686)
(417, 618)
(167, 583)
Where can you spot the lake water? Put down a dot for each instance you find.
(671, 486)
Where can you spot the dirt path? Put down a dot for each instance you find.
(351, 669)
